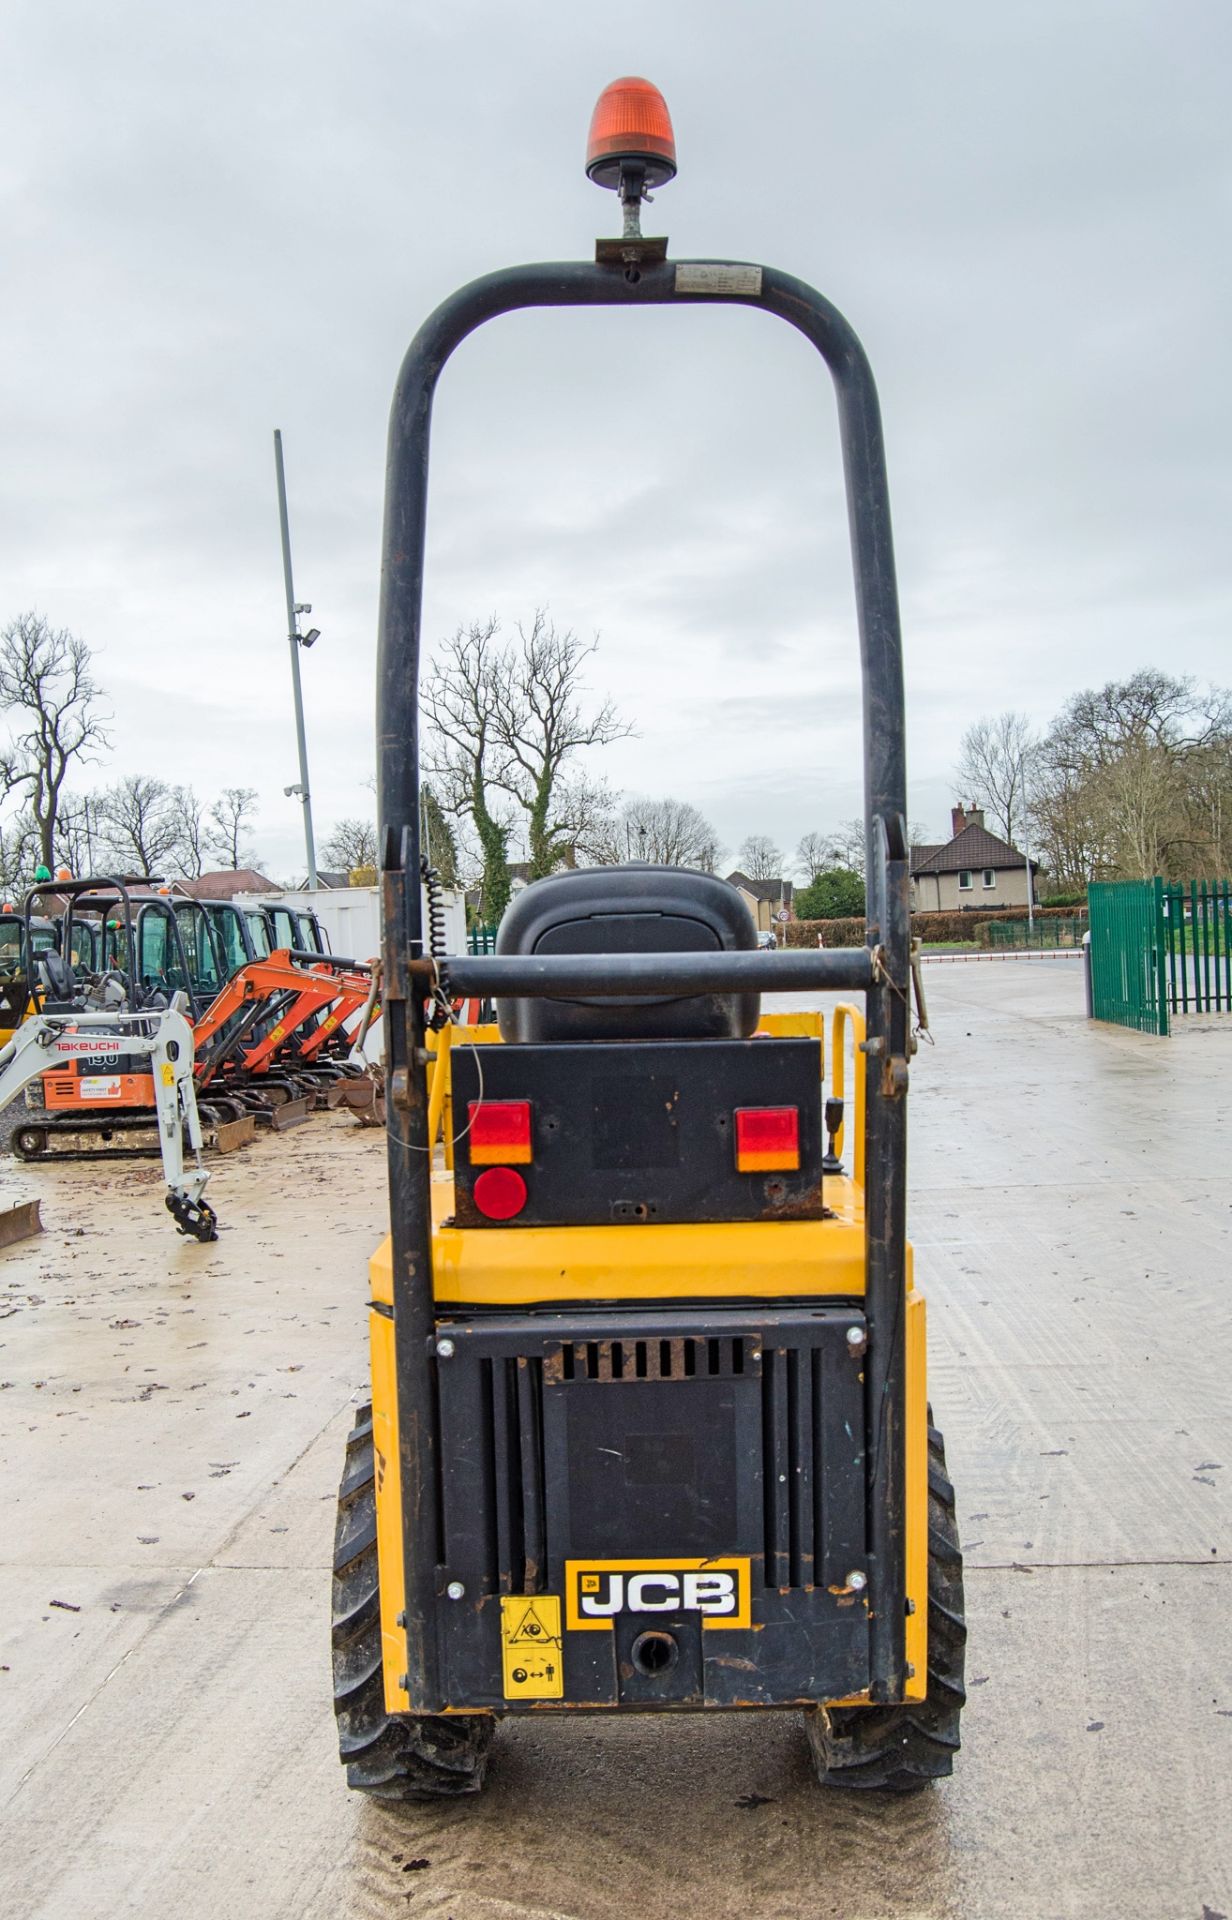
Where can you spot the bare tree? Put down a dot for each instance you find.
(351, 844)
(814, 855)
(993, 767)
(438, 841)
(19, 844)
(81, 836)
(189, 851)
(759, 858)
(47, 683)
(1135, 778)
(464, 753)
(140, 823)
(230, 823)
(540, 722)
(668, 833)
(849, 846)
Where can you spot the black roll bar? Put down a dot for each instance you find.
(602, 975)
(109, 892)
(887, 986)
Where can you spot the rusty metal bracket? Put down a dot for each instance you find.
(895, 1075)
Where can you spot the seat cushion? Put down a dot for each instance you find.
(630, 909)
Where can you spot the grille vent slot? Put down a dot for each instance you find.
(681, 1358)
(513, 1408)
(804, 1535)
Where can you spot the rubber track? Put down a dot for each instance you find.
(391, 1756)
(900, 1749)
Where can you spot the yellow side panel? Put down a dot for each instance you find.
(917, 1496)
(519, 1266)
(797, 1026)
(487, 1035)
(388, 1505)
(381, 1273)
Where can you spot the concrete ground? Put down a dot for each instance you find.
(171, 1428)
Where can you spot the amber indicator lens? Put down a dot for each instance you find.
(767, 1139)
(499, 1133)
(631, 126)
(499, 1193)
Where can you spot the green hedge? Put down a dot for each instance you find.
(929, 927)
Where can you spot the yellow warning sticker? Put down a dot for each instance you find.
(167, 1074)
(531, 1646)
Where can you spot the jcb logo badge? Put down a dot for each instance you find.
(596, 1591)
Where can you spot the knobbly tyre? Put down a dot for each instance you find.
(648, 1424)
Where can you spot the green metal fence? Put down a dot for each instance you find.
(1197, 939)
(1128, 972)
(481, 940)
(1045, 936)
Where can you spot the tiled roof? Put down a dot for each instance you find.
(221, 886)
(761, 889)
(973, 848)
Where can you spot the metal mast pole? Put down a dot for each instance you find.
(293, 637)
(1026, 836)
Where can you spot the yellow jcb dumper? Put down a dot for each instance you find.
(649, 1428)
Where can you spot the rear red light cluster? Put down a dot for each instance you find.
(767, 1139)
(499, 1142)
(500, 1133)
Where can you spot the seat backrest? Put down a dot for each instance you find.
(59, 981)
(633, 909)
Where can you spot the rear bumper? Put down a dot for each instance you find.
(651, 1509)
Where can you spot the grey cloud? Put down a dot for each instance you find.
(225, 221)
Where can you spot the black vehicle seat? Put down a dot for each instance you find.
(59, 982)
(633, 909)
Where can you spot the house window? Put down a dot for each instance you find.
(964, 880)
(990, 876)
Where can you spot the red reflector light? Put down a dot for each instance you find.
(499, 1132)
(499, 1193)
(767, 1139)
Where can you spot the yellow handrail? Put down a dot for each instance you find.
(440, 1082)
(846, 1010)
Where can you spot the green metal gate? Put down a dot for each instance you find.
(1197, 931)
(1128, 977)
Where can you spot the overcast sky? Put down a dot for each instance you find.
(218, 220)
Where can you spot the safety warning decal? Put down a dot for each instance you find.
(95, 1086)
(531, 1647)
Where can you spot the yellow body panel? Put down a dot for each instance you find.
(389, 1515)
(797, 1026)
(525, 1266)
(917, 1497)
(512, 1267)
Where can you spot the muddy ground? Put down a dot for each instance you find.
(171, 1428)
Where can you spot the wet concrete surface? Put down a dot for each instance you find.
(171, 1428)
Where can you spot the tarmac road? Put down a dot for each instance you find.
(171, 1429)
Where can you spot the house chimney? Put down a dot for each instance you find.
(975, 816)
(958, 819)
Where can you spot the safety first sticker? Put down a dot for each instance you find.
(531, 1647)
(96, 1086)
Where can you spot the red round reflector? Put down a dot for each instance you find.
(499, 1193)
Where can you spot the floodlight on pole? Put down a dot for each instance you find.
(296, 639)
